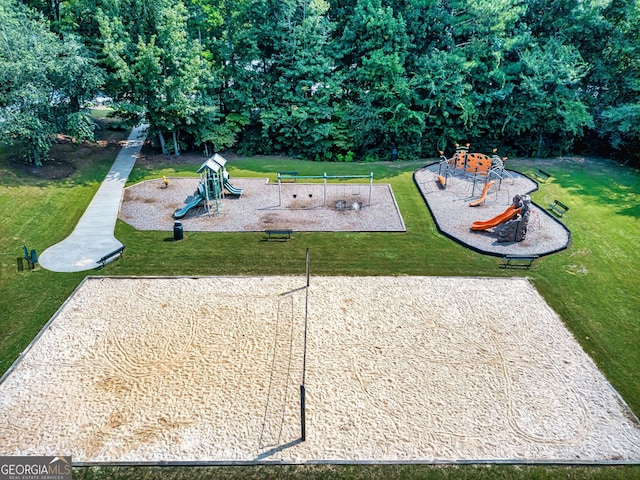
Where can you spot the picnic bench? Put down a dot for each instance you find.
(518, 261)
(542, 175)
(280, 234)
(109, 257)
(558, 208)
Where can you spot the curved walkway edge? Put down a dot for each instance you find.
(93, 237)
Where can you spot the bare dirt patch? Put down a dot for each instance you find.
(67, 156)
(53, 169)
(153, 158)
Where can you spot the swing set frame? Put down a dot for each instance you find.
(325, 178)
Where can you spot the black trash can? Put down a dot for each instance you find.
(178, 232)
(394, 154)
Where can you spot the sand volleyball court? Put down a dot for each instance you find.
(398, 369)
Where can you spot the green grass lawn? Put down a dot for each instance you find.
(592, 285)
(357, 472)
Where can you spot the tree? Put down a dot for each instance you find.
(617, 107)
(47, 83)
(378, 104)
(327, 77)
(157, 72)
(278, 74)
(517, 90)
(605, 34)
(49, 8)
(484, 39)
(296, 113)
(549, 111)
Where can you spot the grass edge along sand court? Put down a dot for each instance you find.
(357, 472)
(589, 285)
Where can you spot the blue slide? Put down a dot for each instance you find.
(200, 196)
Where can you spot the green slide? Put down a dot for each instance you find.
(231, 189)
(199, 197)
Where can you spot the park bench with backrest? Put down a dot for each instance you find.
(109, 257)
(518, 261)
(542, 175)
(30, 256)
(558, 208)
(278, 234)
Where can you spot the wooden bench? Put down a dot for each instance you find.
(30, 256)
(518, 261)
(542, 175)
(117, 253)
(558, 208)
(280, 234)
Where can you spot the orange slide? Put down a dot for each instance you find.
(508, 214)
(483, 197)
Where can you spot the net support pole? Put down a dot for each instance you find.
(325, 204)
(279, 191)
(307, 270)
(303, 392)
(303, 421)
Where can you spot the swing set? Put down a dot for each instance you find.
(289, 176)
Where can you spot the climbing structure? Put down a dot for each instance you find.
(476, 166)
(510, 225)
(452, 166)
(515, 230)
(214, 179)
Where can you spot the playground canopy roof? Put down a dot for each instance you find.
(214, 163)
(209, 165)
(220, 160)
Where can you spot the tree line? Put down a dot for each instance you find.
(335, 80)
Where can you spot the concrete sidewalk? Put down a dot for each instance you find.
(93, 236)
